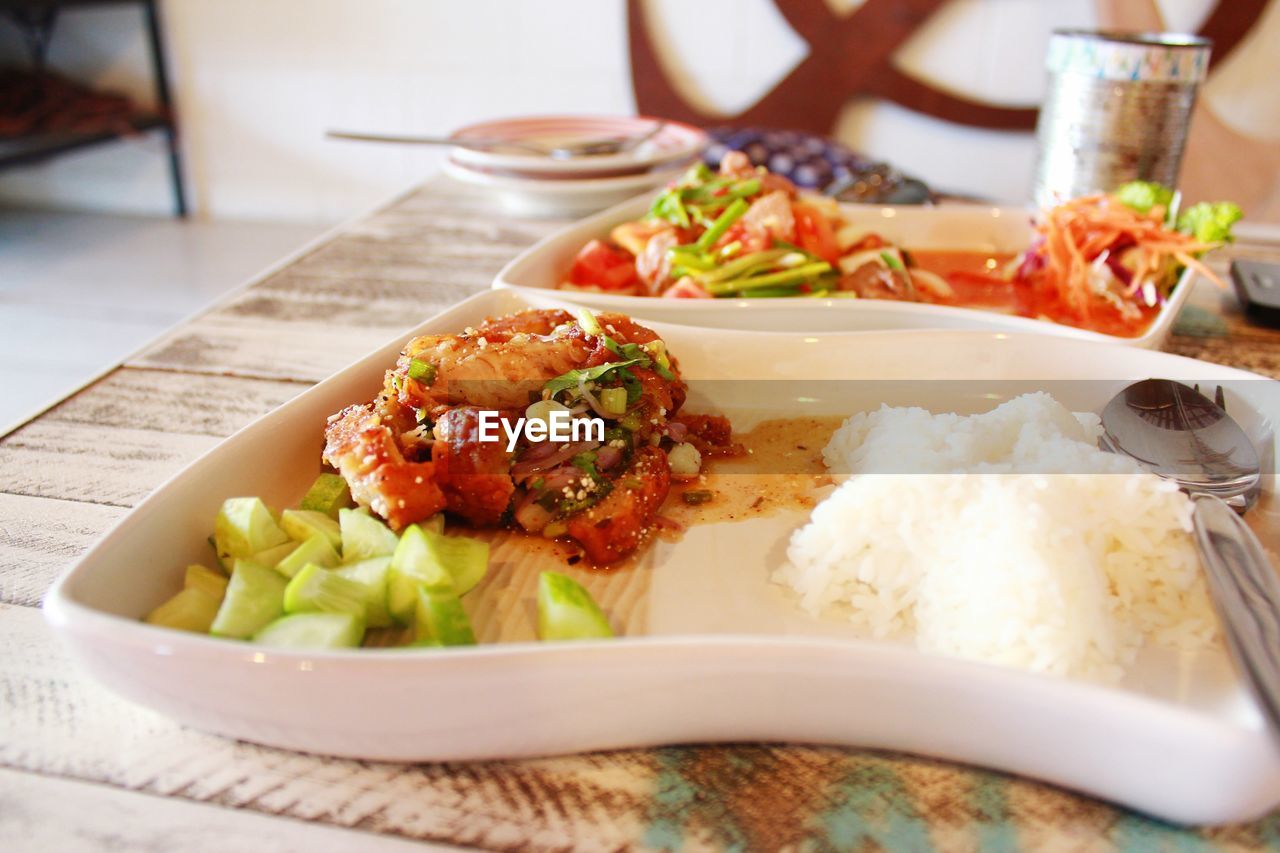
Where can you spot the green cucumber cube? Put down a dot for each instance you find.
(328, 494)
(193, 609)
(315, 550)
(272, 557)
(465, 559)
(255, 597)
(313, 631)
(566, 611)
(425, 556)
(364, 536)
(302, 524)
(441, 619)
(318, 589)
(414, 565)
(214, 583)
(244, 527)
(372, 573)
(434, 524)
(221, 562)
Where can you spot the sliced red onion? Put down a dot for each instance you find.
(540, 450)
(560, 477)
(526, 468)
(530, 515)
(607, 457)
(677, 431)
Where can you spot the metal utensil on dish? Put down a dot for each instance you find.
(566, 151)
(1178, 433)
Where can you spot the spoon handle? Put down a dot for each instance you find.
(1246, 593)
(474, 144)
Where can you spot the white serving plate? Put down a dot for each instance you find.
(713, 651)
(544, 266)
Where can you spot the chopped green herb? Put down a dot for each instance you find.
(586, 462)
(422, 371)
(614, 400)
(670, 208)
(570, 379)
(891, 261)
(723, 223)
(697, 496)
(634, 390)
(588, 322)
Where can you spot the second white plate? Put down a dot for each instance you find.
(545, 265)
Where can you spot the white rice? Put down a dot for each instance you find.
(1006, 537)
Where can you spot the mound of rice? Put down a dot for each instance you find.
(1006, 537)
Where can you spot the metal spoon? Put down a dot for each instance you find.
(567, 151)
(1178, 433)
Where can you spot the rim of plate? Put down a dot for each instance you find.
(674, 142)
(565, 186)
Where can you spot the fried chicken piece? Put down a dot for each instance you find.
(616, 526)
(497, 365)
(363, 446)
(474, 475)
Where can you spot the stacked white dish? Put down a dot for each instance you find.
(530, 184)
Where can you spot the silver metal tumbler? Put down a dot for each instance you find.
(1117, 109)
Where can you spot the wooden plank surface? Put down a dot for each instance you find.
(40, 814)
(67, 477)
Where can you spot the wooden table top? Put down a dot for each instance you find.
(81, 768)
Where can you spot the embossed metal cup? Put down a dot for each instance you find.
(1117, 109)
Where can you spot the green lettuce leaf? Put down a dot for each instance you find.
(1143, 195)
(1210, 222)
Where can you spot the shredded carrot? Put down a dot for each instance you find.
(1077, 232)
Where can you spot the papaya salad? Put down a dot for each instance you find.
(1104, 262)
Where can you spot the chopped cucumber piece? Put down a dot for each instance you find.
(302, 524)
(193, 609)
(272, 557)
(465, 559)
(364, 536)
(453, 562)
(372, 573)
(199, 577)
(566, 611)
(313, 631)
(218, 558)
(244, 527)
(255, 597)
(315, 550)
(434, 524)
(316, 588)
(328, 494)
(440, 618)
(414, 564)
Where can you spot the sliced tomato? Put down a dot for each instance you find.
(814, 233)
(749, 238)
(604, 266)
(686, 288)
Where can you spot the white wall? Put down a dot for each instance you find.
(259, 81)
